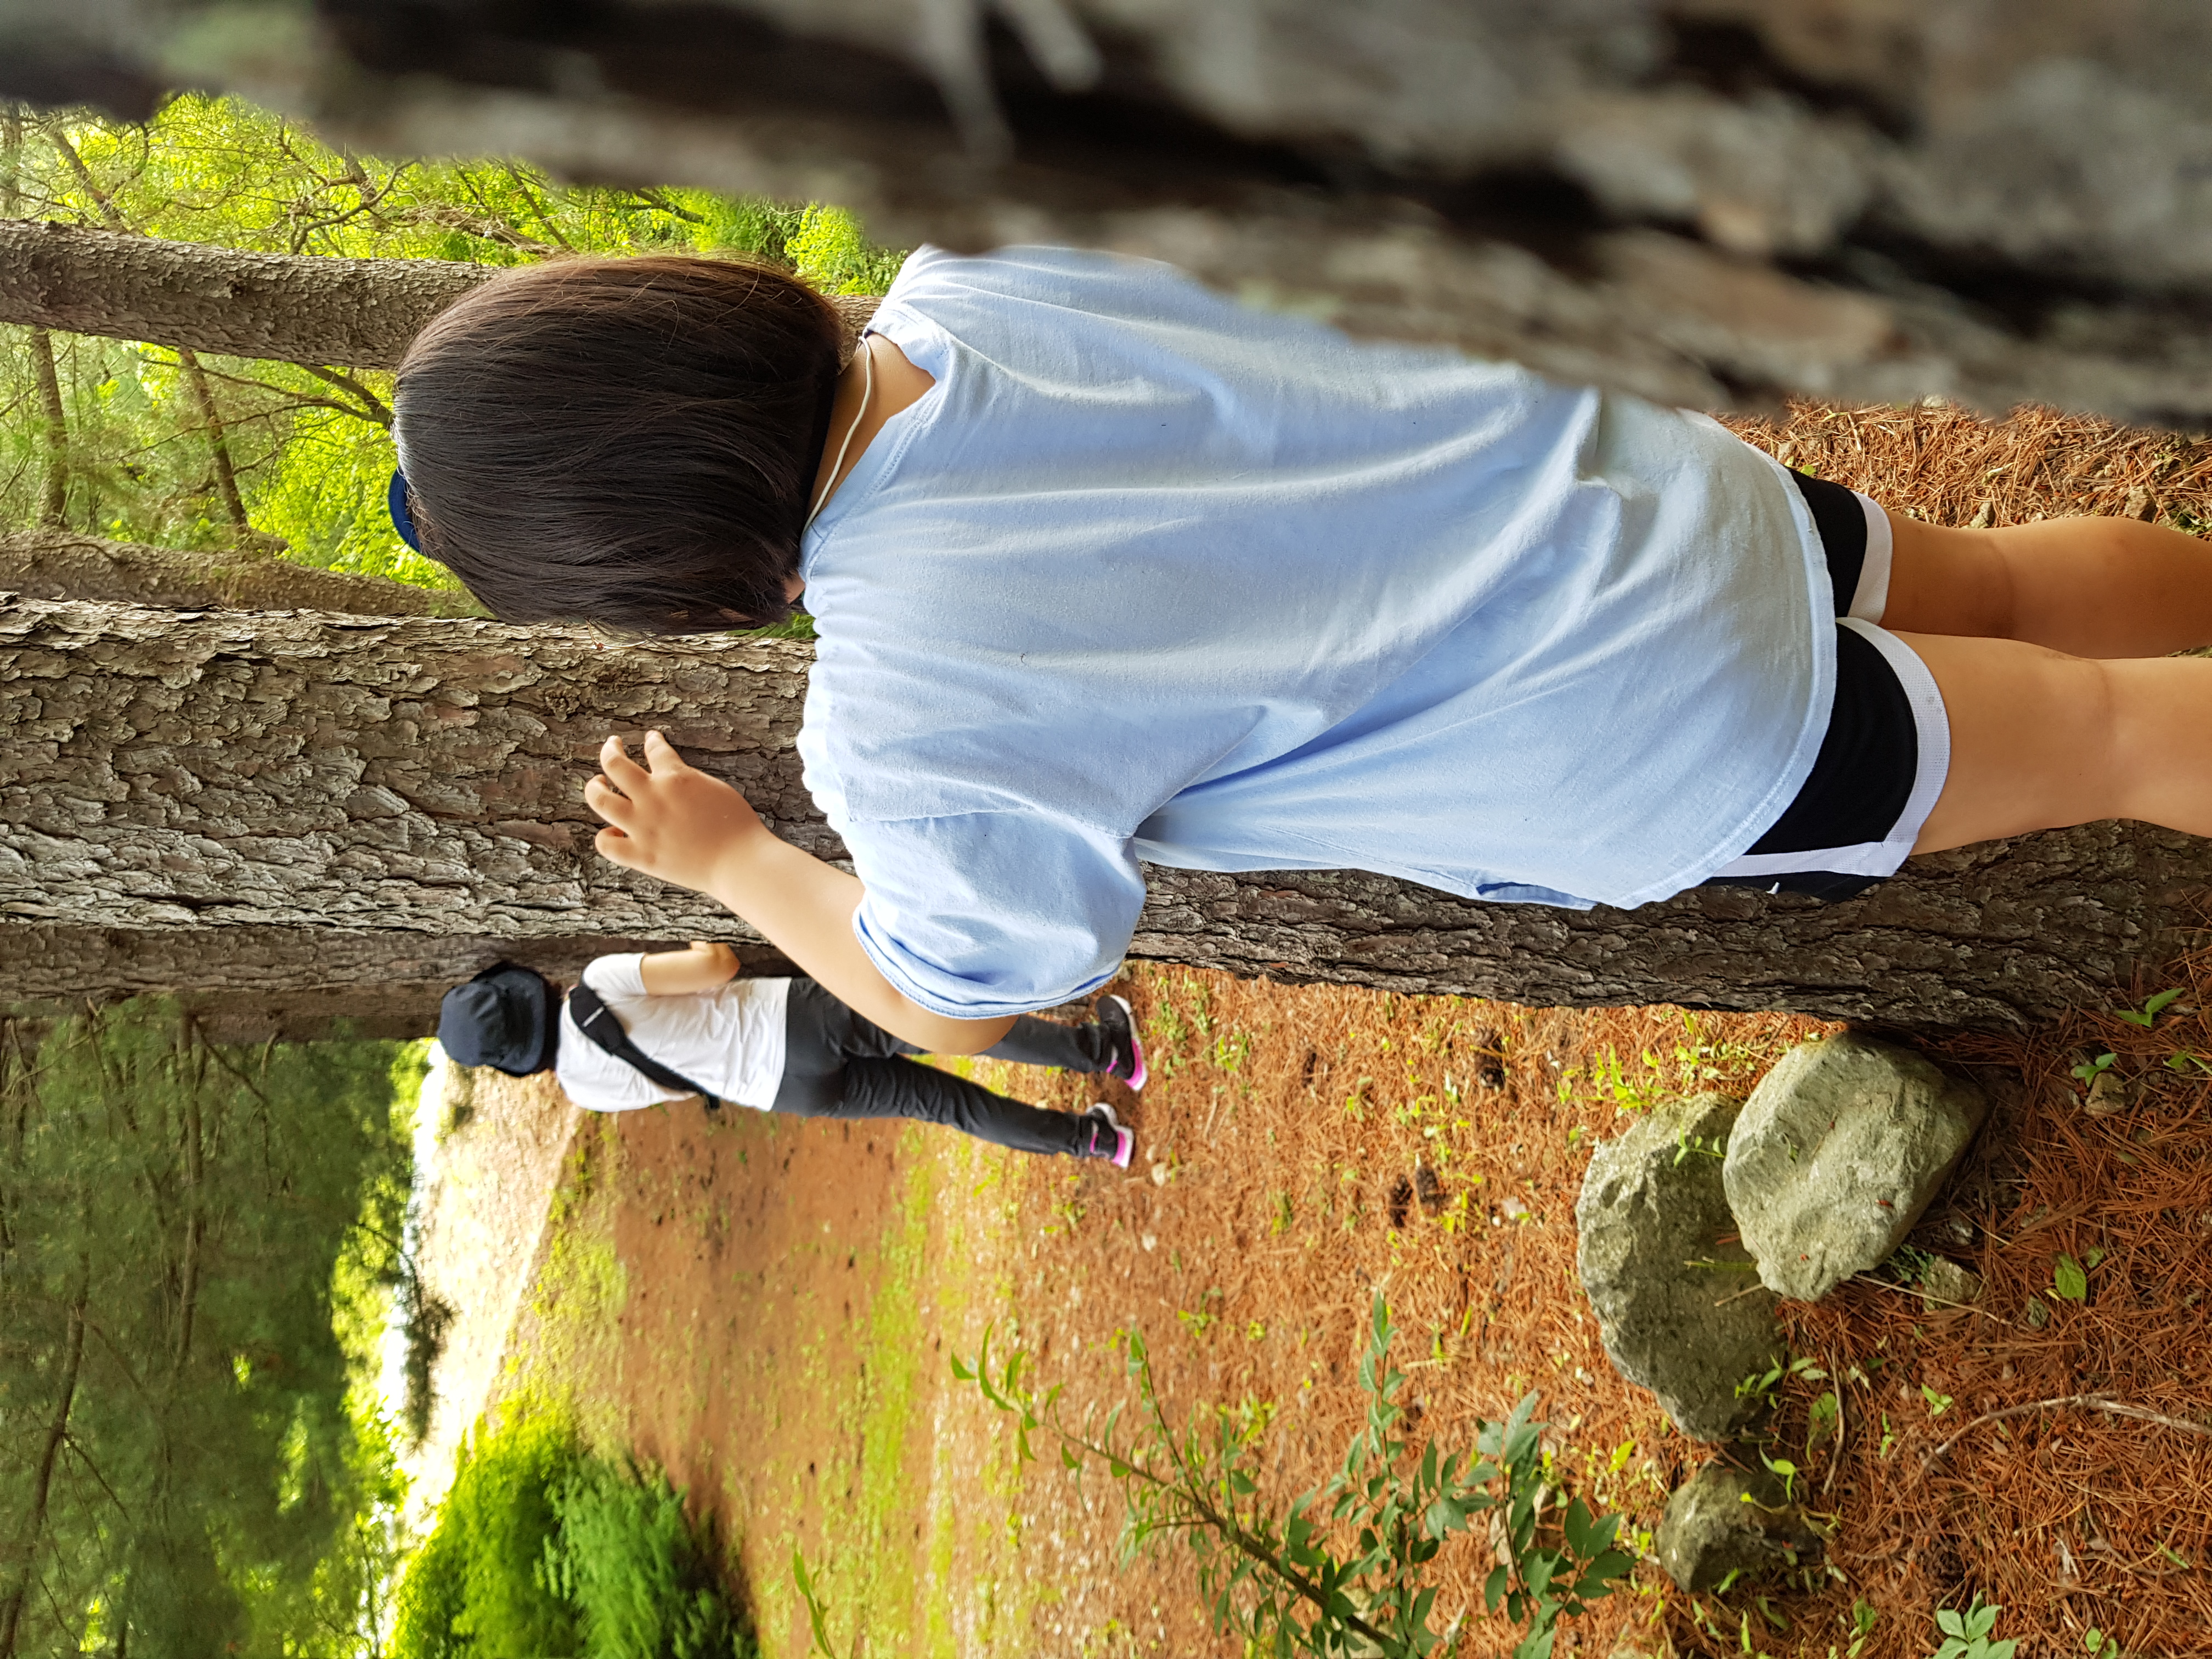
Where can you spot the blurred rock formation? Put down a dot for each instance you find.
(1710, 202)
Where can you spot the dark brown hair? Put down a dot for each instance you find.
(625, 441)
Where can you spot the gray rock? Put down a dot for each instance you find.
(1648, 1210)
(2108, 1093)
(1711, 1530)
(1947, 1282)
(1837, 1151)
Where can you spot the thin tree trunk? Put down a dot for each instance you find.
(188, 1287)
(226, 476)
(34, 1523)
(53, 501)
(53, 506)
(214, 776)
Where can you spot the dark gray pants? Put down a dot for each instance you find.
(839, 1064)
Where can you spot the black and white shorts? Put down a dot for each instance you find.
(1888, 744)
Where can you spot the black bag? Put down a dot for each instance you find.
(596, 1021)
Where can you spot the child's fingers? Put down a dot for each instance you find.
(616, 848)
(660, 755)
(621, 771)
(604, 798)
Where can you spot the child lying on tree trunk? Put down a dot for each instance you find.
(641, 1029)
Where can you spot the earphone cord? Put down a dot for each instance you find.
(867, 389)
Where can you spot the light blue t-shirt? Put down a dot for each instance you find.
(1149, 576)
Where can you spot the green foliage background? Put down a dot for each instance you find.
(312, 455)
(190, 1234)
(212, 1233)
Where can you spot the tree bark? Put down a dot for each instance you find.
(1710, 201)
(396, 782)
(309, 309)
(298, 308)
(48, 564)
(289, 984)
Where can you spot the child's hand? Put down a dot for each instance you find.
(671, 821)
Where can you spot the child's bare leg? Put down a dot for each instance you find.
(2091, 587)
(2039, 740)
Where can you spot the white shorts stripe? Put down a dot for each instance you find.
(1871, 597)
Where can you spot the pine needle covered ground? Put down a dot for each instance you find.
(795, 1290)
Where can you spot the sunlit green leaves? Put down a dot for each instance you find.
(312, 457)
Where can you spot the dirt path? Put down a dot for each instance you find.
(768, 1307)
(495, 1147)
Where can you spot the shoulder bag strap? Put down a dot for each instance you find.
(596, 1021)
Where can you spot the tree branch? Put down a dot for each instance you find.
(2080, 1401)
(373, 408)
(11, 1611)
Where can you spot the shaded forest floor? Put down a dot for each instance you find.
(767, 1308)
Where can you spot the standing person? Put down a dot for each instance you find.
(1106, 569)
(685, 1023)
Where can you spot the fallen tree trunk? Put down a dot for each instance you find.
(360, 313)
(314, 309)
(290, 984)
(60, 564)
(398, 782)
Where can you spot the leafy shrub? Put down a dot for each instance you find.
(627, 1556)
(478, 1584)
(543, 1550)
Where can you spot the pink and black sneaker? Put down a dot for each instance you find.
(1105, 1138)
(1120, 1022)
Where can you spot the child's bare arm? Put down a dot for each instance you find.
(677, 973)
(681, 825)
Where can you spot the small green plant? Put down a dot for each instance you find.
(1762, 1385)
(2070, 1279)
(1338, 1572)
(1966, 1635)
(2098, 1646)
(1709, 1146)
(2147, 1015)
(1783, 1468)
(2089, 1070)
(817, 1615)
(1937, 1403)
(1823, 1420)
(1863, 1618)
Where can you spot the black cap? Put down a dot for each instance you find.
(506, 1018)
